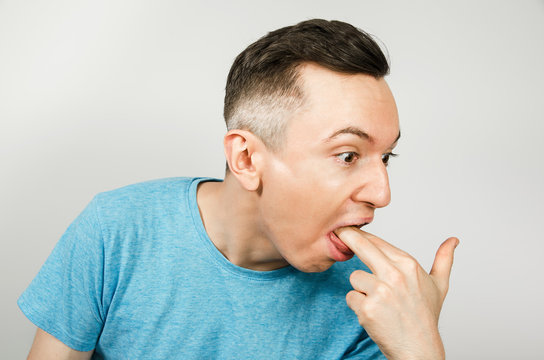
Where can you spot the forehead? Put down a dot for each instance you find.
(334, 101)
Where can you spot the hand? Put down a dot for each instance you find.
(399, 303)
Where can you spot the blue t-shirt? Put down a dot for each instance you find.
(135, 276)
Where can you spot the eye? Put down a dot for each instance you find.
(348, 157)
(386, 156)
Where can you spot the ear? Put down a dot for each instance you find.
(244, 152)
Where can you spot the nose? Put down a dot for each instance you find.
(374, 188)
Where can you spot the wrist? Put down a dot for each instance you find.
(433, 350)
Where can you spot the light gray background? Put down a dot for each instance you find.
(96, 95)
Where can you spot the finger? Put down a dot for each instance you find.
(355, 301)
(365, 250)
(363, 281)
(443, 263)
(391, 251)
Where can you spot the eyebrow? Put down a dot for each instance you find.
(358, 132)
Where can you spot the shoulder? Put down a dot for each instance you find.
(146, 190)
(142, 200)
(144, 194)
(147, 204)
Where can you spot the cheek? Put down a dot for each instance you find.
(303, 196)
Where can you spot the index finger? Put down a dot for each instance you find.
(365, 250)
(391, 251)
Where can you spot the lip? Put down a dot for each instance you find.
(339, 244)
(338, 251)
(354, 222)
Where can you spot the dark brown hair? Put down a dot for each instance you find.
(266, 71)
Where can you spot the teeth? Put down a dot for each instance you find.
(358, 226)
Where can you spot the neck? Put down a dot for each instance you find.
(230, 215)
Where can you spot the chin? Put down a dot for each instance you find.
(314, 268)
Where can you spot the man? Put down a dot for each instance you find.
(260, 265)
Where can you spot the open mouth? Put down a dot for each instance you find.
(339, 250)
(358, 226)
(339, 244)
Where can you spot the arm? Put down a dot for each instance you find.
(47, 347)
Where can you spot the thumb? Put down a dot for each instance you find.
(443, 262)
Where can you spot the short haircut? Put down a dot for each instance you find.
(263, 87)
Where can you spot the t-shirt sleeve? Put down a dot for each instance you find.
(65, 298)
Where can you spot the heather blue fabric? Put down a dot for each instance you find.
(135, 276)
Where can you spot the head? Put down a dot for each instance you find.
(311, 126)
(263, 86)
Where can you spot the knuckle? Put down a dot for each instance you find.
(407, 267)
(382, 291)
(410, 263)
(396, 277)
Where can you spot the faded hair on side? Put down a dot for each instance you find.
(263, 87)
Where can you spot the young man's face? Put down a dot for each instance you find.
(329, 173)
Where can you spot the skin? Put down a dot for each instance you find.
(278, 208)
(399, 301)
